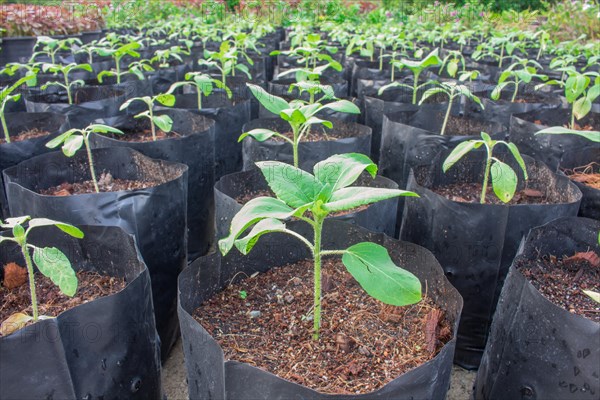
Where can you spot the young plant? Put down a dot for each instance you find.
(65, 70)
(117, 52)
(416, 67)
(73, 139)
(163, 58)
(300, 116)
(164, 122)
(136, 68)
(504, 179)
(50, 261)
(203, 83)
(225, 60)
(452, 90)
(452, 62)
(327, 191)
(515, 77)
(50, 47)
(312, 52)
(6, 96)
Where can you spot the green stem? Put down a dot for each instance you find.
(295, 146)
(447, 113)
(152, 124)
(573, 116)
(488, 165)
(501, 56)
(4, 126)
(118, 67)
(91, 161)
(199, 93)
(516, 91)
(381, 58)
(69, 96)
(416, 78)
(317, 276)
(30, 272)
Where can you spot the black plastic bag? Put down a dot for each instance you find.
(106, 348)
(310, 153)
(194, 148)
(476, 243)
(536, 349)
(210, 376)
(156, 216)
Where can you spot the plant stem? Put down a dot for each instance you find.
(69, 97)
(317, 276)
(4, 126)
(295, 146)
(91, 161)
(573, 116)
(516, 91)
(30, 272)
(416, 78)
(152, 124)
(118, 67)
(501, 56)
(381, 58)
(447, 112)
(488, 165)
(199, 93)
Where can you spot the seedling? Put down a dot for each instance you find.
(515, 77)
(327, 191)
(416, 67)
(50, 47)
(300, 116)
(225, 60)
(203, 83)
(164, 122)
(452, 90)
(117, 52)
(243, 294)
(6, 96)
(65, 70)
(136, 68)
(311, 52)
(73, 139)
(452, 62)
(504, 179)
(163, 58)
(50, 261)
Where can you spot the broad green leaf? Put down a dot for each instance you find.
(315, 120)
(265, 226)
(392, 85)
(344, 106)
(252, 212)
(271, 102)
(55, 265)
(18, 231)
(593, 93)
(67, 228)
(57, 141)
(99, 128)
(351, 197)
(71, 145)
(166, 99)
(594, 136)
(259, 134)
(504, 181)
(453, 68)
(582, 107)
(342, 170)
(495, 95)
(459, 151)
(164, 122)
(370, 264)
(517, 155)
(430, 92)
(290, 184)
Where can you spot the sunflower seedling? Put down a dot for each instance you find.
(516, 77)
(504, 179)
(325, 192)
(6, 96)
(203, 83)
(73, 139)
(50, 261)
(164, 122)
(65, 70)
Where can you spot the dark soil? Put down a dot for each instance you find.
(562, 281)
(318, 134)
(145, 136)
(471, 193)
(51, 302)
(106, 183)
(461, 126)
(364, 344)
(26, 135)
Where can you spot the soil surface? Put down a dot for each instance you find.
(321, 134)
(589, 175)
(26, 135)
(562, 281)
(106, 183)
(461, 126)
(145, 136)
(266, 321)
(471, 193)
(51, 302)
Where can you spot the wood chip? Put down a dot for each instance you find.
(589, 256)
(14, 275)
(431, 329)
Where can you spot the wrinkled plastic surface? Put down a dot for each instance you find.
(476, 243)
(107, 348)
(14, 152)
(194, 148)
(536, 349)
(211, 377)
(378, 217)
(156, 216)
(310, 153)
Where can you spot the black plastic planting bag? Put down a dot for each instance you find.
(504, 108)
(536, 349)
(156, 216)
(91, 103)
(194, 148)
(212, 377)
(229, 116)
(378, 217)
(163, 78)
(310, 153)
(16, 151)
(476, 243)
(106, 348)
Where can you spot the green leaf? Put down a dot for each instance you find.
(166, 99)
(164, 122)
(259, 134)
(582, 107)
(271, 102)
(517, 155)
(356, 196)
(57, 141)
(99, 128)
(504, 181)
(18, 232)
(452, 68)
(459, 151)
(342, 170)
(72, 144)
(290, 184)
(315, 120)
(265, 226)
(430, 92)
(370, 264)
(594, 136)
(55, 265)
(67, 228)
(343, 106)
(252, 212)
